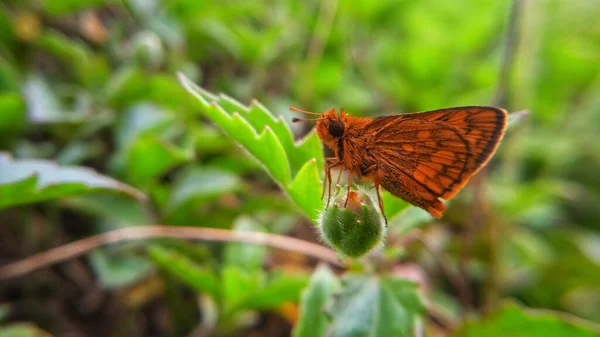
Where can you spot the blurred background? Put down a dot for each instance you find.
(92, 83)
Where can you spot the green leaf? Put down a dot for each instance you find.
(512, 320)
(149, 157)
(131, 85)
(7, 36)
(25, 181)
(393, 205)
(293, 165)
(374, 306)
(115, 272)
(264, 146)
(141, 118)
(209, 140)
(413, 217)
(12, 112)
(312, 321)
(237, 285)
(12, 116)
(91, 69)
(305, 192)
(22, 330)
(43, 106)
(62, 7)
(144, 137)
(9, 76)
(198, 277)
(112, 210)
(197, 184)
(278, 290)
(194, 194)
(243, 255)
(243, 289)
(79, 151)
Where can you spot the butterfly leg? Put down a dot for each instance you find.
(327, 174)
(372, 170)
(330, 163)
(327, 180)
(380, 201)
(339, 177)
(336, 183)
(329, 192)
(349, 185)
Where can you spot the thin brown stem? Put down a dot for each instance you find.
(458, 283)
(491, 287)
(510, 48)
(479, 210)
(437, 316)
(317, 47)
(76, 248)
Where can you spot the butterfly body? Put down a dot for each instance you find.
(418, 157)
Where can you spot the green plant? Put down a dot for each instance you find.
(293, 165)
(99, 137)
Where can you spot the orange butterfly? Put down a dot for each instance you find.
(419, 157)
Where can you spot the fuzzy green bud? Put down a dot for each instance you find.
(355, 229)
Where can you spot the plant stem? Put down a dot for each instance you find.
(76, 248)
(316, 48)
(479, 213)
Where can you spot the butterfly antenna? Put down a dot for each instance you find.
(304, 111)
(296, 120)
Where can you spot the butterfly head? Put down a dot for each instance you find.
(329, 124)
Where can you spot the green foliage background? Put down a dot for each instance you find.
(91, 101)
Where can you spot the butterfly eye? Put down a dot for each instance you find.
(336, 128)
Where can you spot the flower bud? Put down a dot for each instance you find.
(355, 229)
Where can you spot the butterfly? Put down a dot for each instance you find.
(419, 157)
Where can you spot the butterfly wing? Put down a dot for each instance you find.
(422, 157)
